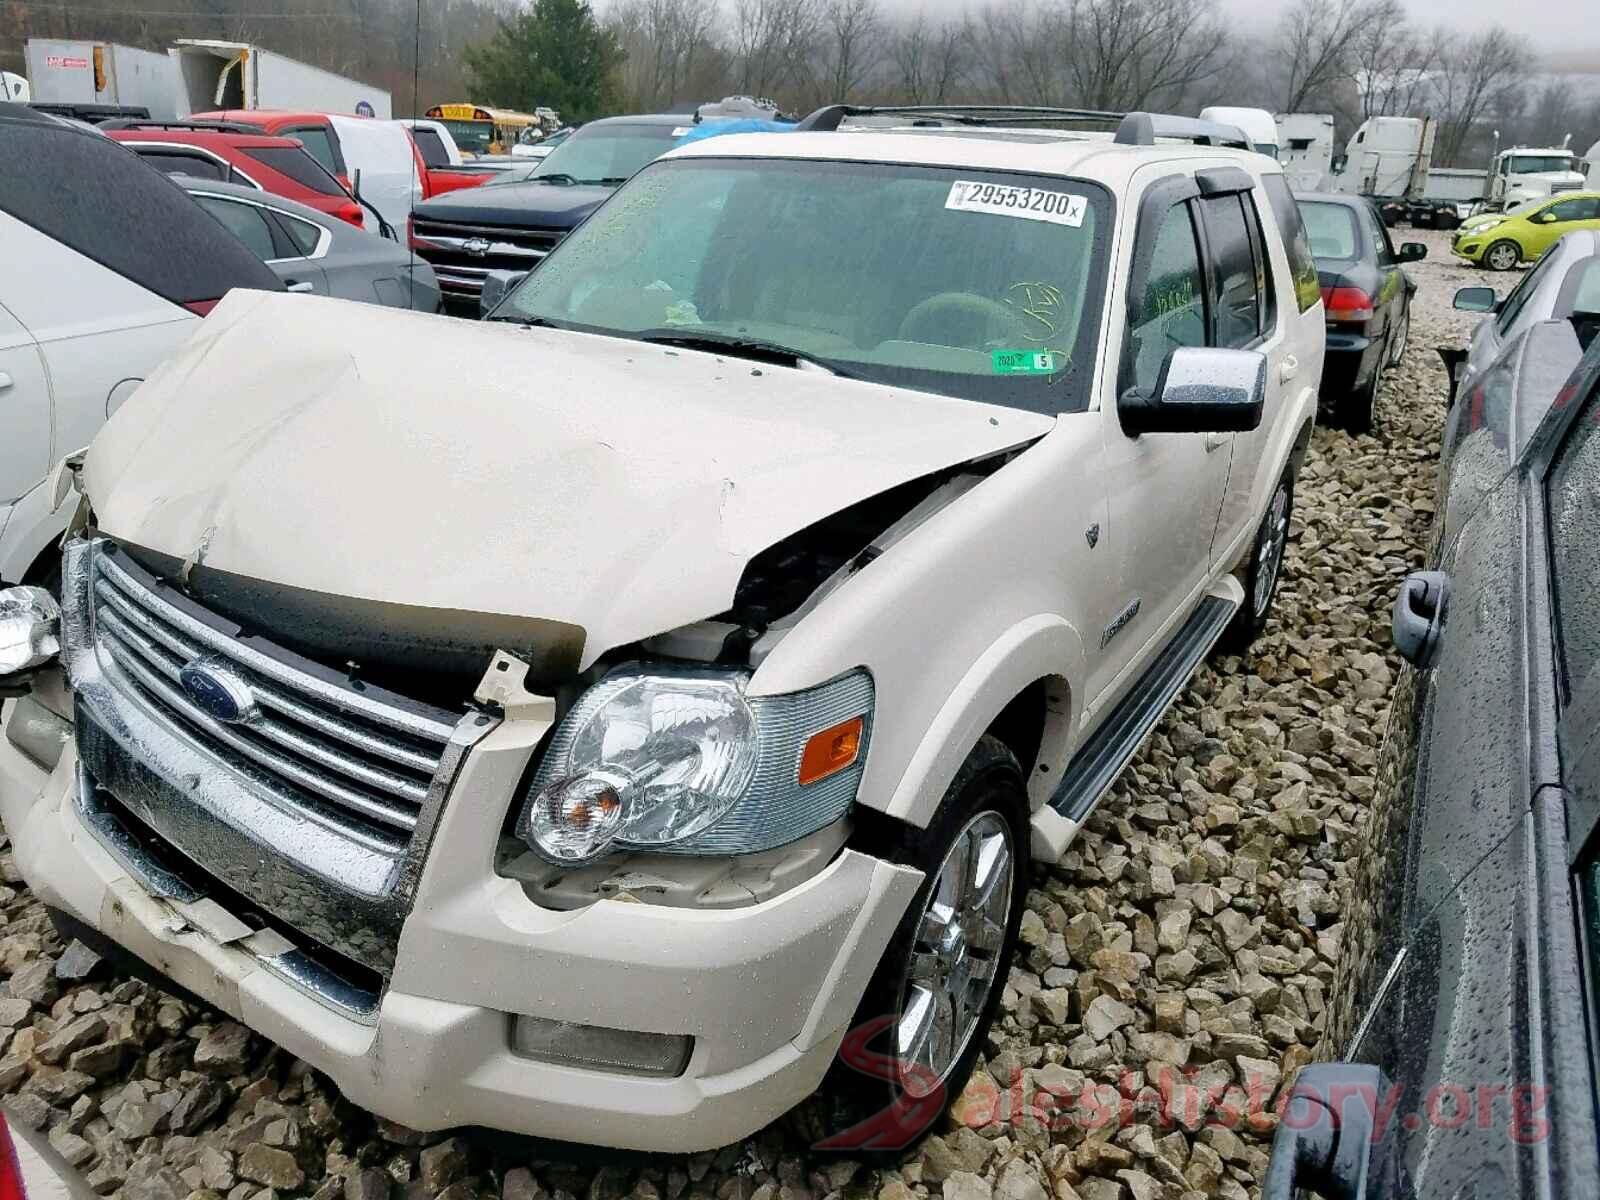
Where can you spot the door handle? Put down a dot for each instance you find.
(1288, 368)
(1216, 441)
(1419, 615)
(305, 286)
(5, 381)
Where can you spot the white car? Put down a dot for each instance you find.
(614, 720)
(93, 296)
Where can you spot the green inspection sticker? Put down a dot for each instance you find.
(1024, 362)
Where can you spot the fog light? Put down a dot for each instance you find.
(37, 732)
(569, 1044)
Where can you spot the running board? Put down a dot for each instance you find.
(1096, 765)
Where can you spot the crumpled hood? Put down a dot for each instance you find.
(383, 455)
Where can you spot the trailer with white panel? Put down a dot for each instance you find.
(237, 75)
(68, 71)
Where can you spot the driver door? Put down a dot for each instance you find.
(1164, 490)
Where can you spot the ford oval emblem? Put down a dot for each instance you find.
(218, 691)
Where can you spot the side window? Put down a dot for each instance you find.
(1235, 302)
(1286, 215)
(245, 221)
(319, 145)
(304, 234)
(179, 162)
(1572, 491)
(432, 148)
(1521, 294)
(1566, 210)
(1263, 261)
(1379, 233)
(1171, 312)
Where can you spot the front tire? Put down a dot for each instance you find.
(920, 1025)
(1265, 566)
(1504, 255)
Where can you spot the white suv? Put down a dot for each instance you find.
(614, 721)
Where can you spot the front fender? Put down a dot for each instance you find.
(1042, 647)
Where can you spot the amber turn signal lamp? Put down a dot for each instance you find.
(831, 751)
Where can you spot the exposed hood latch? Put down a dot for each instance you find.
(502, 687)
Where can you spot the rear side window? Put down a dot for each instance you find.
(1573, 491)
(179, 162)
(245, 221)
(1234, 285)
(1302, 265)
(319, 144)
(298, 165)
(432, 147)
(1171, 312)
(304, 234)
(90, 193)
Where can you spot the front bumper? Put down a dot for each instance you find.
(765, 991)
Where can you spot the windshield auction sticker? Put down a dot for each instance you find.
(1024, 362)
(1034, 204)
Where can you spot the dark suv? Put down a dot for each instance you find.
(510, 227)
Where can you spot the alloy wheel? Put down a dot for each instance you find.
(1269, 549)
(956, 958)
(1503, 256)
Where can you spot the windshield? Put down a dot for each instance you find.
(1528, 164)
(1528, 206)
(981, 285)
(471, 137)
(609, 153)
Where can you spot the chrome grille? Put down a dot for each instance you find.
(460, 270)
(351, 761)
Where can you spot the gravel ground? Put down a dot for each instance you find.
(1174, 972)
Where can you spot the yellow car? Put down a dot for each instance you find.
(1500, 241)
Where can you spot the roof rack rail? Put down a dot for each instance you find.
(830, 117)
(203, 126)
(1143, 128)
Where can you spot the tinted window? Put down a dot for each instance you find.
(1573, 489)
(1378, 235)
(319, 144)
(1171, 312)
(298, 166)
(304, 234)
(90, 193)
(1521, 294)
(431, 145)
(1302, 264)
(1572, 210)
(245, 221)
(180, 162)
(1331, 228)
(1583, 284)
(1235, 301)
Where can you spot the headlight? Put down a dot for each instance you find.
(661, 760)
(30, 628)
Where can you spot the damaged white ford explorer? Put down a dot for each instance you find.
(618, 720)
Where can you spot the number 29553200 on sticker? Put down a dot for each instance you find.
(1007, 200)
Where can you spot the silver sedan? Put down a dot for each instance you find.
(313, 252)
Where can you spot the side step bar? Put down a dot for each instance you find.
(1100, 760)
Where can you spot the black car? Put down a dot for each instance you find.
(467, 233)
(1367, 298)
(1464, 1006)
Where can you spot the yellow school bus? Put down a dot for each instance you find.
(480, 130)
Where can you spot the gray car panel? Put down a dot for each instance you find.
(345, 262)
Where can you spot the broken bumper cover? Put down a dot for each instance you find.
(765, 991)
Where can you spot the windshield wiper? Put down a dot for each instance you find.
(529, 322)
(555, 177)
(607, 181)
(730, 343)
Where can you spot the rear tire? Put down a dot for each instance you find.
(941, 948)
(1504, 255)
(1265, 567)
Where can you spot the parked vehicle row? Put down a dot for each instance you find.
(1501, 241)
(878, 492)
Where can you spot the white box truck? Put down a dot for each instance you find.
(1305, 148)
(65, 71)
(227, 75)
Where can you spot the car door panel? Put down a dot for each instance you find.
(24, 411)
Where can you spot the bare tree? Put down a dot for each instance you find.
(930, 62)
(663, 40)
(1392, 67)
(1018, 53)
(1127, 54)
(772, 42)
(849, 31)
(1474, 73)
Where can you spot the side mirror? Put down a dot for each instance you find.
(496, 286)
(30, 634)
(1476, 299)
(1413, 251)
(1199, 390)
